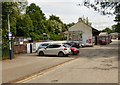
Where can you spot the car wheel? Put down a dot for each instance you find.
(61, 54)
(41, 53)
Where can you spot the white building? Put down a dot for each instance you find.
(81, 31)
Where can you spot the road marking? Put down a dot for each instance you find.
(40, 73)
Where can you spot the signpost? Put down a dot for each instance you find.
(10, 38)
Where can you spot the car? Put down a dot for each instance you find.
(43, 45)
(74, 50)
(73, 44)
(55, 49)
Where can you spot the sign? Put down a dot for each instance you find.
(9, 35)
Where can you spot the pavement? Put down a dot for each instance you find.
(25, 65)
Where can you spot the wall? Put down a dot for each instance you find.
(86, 31)
(20, 48)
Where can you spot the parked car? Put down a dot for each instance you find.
(55, 49)
(73, 44)
(43, 45)
(74, 50)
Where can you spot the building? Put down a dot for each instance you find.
(115, 35)
(81, 32)
(104, 38)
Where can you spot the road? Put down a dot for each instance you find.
(25, 65)
(98, 64)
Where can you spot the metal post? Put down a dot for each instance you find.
(10, 36)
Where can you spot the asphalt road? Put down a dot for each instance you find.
(98, 64)
(25, 65)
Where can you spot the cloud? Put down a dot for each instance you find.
(69, 12)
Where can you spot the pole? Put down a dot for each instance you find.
(10, 46)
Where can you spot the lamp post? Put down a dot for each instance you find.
(9, 36)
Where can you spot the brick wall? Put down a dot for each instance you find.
(20, 48)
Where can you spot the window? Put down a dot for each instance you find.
(46, 44)
(56, 46)
(53, 46)
(65, 45)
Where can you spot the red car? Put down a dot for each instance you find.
(74, 50)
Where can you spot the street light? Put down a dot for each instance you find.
(9, 36)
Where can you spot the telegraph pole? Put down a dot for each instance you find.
(9, 36)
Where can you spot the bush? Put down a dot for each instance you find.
(5, 50)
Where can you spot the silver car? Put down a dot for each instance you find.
(55, 49)
(43, 45)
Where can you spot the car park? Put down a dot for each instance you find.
(55, 49)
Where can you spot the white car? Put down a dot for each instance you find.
(43, 45)
(55, 49)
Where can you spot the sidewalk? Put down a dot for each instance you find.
(27, 64)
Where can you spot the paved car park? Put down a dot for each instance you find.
(25, 65)
(98, 64)
(92, 61)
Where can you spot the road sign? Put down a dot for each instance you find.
(9, 35)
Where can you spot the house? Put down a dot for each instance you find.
(81, 32)
(115, 35)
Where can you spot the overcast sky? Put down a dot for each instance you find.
(69, 12)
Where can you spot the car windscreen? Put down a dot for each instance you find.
(66, 45)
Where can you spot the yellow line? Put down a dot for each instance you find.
(38, 74)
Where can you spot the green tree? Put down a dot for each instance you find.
(37, 17)
(117, 18)
(70, 24)
(11, 9)
(108, 30)
(24, 26)
(58, 25)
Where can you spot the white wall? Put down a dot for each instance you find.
(87, 31)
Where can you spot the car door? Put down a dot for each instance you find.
(55, 49)
(48, 50)
(52, 49)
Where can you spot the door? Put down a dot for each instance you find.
(52, 49)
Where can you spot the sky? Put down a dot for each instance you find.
(69, 12)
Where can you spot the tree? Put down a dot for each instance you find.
(117, 18)
(105, 9)
(70, 24)
(11, 9)
(53, 17)
(24, 26)
(57, 24)
(113, 28)
(108, 30)
(37, 17)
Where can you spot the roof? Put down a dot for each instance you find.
(115, 33)
(103, 34)
(81, 22)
